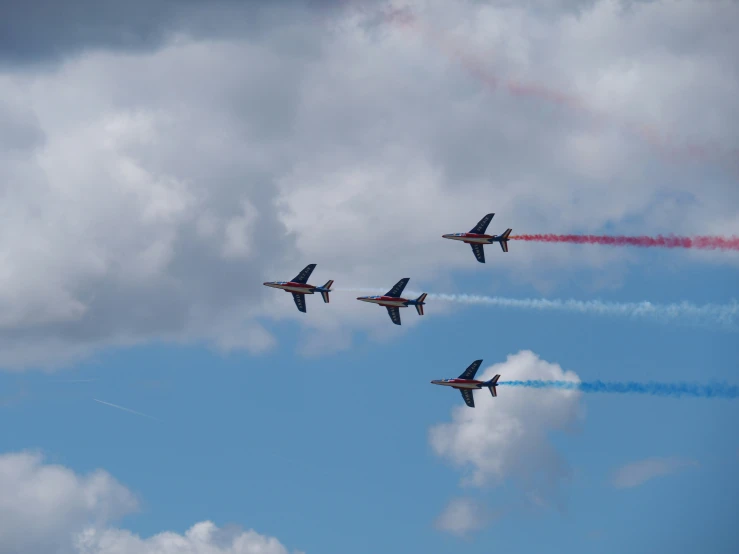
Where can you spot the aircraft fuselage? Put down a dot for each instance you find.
(459, 383)
(387, 301)
(289, 286)
(472, 238)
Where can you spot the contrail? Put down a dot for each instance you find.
(682, 313)
(126, 409)
(717, 390)
(700, 242)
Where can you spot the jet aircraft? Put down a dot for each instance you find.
(392, 300)
(466, 383)
(476, 238)
(299, 287)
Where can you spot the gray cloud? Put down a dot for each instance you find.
(44, 31)
(148, 192)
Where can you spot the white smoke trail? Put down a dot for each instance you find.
(683, 313)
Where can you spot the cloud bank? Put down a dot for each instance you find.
(47, 508)
(156, 168)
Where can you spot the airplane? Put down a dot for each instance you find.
(392, 300)
(299, 287)
(466, 383)
(476, 238)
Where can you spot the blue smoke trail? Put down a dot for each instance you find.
(716, 390)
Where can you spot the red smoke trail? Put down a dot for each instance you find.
(661, 142)
(700, 243)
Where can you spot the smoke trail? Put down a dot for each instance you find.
(701, 243)
(684, 313)
(665, 145)
(126, 409)
(717, 390)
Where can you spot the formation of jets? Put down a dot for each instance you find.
(392, 300)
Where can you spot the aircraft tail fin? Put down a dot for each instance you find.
(492, 385)
(504, 240)
(326, 289)
(420, 302)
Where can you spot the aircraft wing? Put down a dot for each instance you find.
(468, 398)
(299, 301)
(397, 290)
(479, 252)
(304, 275)
(482, 225)
(469, 373)
(394, 314)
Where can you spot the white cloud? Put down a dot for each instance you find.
(148, 193)
(42, 505)
(201, 538)
(638, 473)
(50, 509)
(461, 516)
(252, 337)
(508, 436)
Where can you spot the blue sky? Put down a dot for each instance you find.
(295, 447)
(168, 176)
